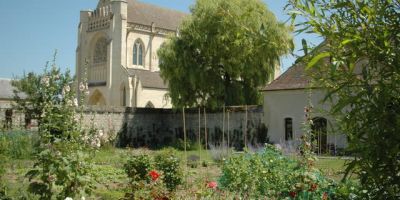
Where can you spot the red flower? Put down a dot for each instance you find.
(212, 185)
(154, 175)
(325, 196)
(292, 194)
(313, 187)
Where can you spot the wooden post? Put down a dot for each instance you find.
(185, 142)
(228, 131)
(199, 135)
(184, 129)
(205, 128)
(245, 128)
(223, 126)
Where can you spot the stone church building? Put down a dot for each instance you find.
(117, 52)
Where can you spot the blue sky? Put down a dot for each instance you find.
(31, 30)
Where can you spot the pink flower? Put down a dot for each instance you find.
(154, 175)
(212, 185)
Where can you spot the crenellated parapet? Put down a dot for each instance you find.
(100, 18)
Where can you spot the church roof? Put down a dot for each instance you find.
(6, 89)
(149, 79)
(143, 13)
(294, 78)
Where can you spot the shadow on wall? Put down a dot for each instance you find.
(157, 128)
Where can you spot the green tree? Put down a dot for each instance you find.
(362, 81)
(27, 97)
(223, 53)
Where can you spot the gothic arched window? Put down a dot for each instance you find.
(100, 51)
(138, 53)
(149, 105)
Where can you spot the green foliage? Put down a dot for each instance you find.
(27, 97)
(362, 81)
(224, 52)
(274, 175)
(142, 185)
(349, 190)
(137, 168)
(169, 164)
(17, 144)
(62, 168)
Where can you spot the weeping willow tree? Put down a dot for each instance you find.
(223, 53)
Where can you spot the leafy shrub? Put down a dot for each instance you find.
(138, 167)
(349, 190)
(17, 144)
(169, 164)
(2, 166)
(153, 177)
(270, 173)
(3, 194)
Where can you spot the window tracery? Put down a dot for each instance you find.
(100, 51)
(138, 53)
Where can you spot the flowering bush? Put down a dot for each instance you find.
(153, 177)
(170, 165)
(144, 182)
(137, 168)
(62, 168)
(272, 174)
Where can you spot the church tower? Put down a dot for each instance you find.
(117, 52)
(101, 50)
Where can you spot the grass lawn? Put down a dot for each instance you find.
(111, 178)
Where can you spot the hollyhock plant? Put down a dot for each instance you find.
(154, 175)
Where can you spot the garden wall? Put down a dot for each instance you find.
(138, 127)
(15, 121)
(154, 128)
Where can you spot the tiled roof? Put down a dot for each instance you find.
(149, 79)
(143, 13)
(293, 78)
(7, 90)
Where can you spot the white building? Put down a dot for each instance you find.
(117, 50)
(285, 100)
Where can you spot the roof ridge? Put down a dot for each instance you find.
(162, 17)
(160, 7)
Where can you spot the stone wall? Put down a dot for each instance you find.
(150, 127)
(17, 120)
(138, 127)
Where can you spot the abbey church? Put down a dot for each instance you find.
(117, 53)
